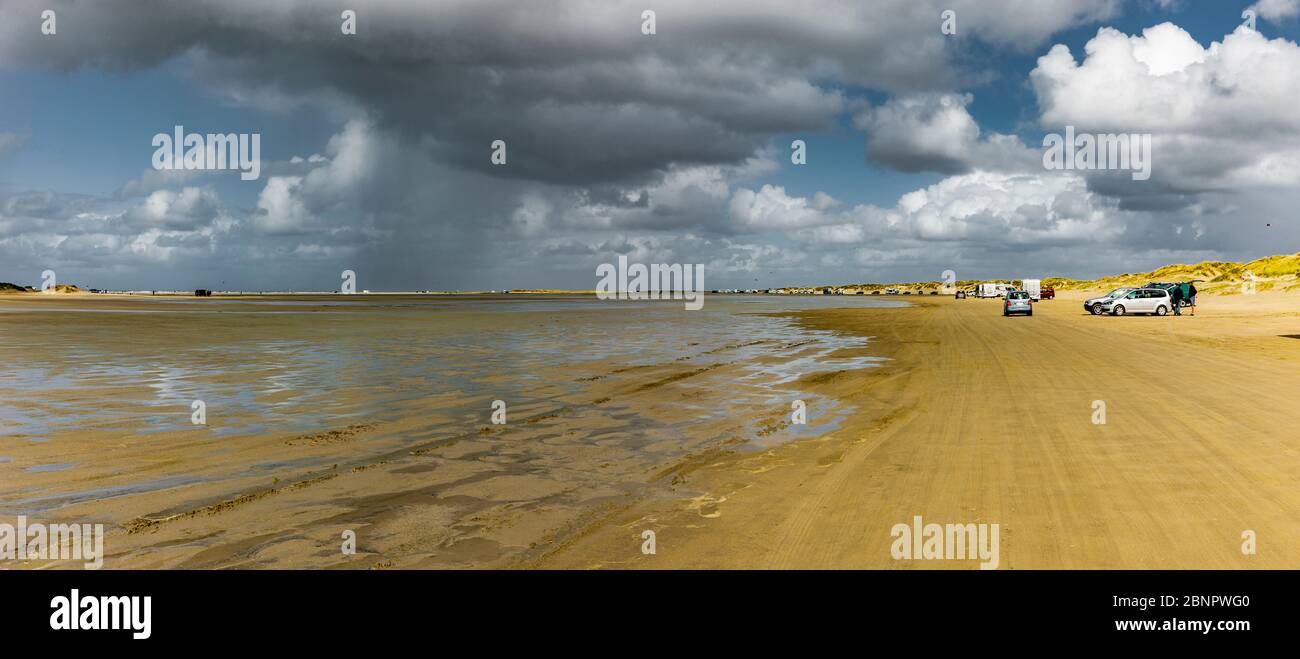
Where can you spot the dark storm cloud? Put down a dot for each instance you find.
(617, 142)
(577, 92)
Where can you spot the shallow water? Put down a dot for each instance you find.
(606, 400)
(256, 370)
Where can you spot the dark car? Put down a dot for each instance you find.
(1169, 286)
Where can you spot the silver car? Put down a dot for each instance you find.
(1141, 300)
(1093, 306)
(1017, 302)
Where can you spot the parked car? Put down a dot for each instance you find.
(961, 295)
(1048, 293)
(1093, 305)
(1141, 300)
(1017, 302)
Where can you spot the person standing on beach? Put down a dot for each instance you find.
(1189, 293)
(1176, 297)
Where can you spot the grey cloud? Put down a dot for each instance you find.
(574, 88)
(935, 133)
(11, 142)
(617, 142)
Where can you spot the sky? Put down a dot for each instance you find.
(924, 146)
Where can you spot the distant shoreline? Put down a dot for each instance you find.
(1270, 271)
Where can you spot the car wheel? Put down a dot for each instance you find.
(1097, 310)
(1118, 310)
(1161, 310)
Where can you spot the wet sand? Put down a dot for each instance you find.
(424, 479)
(971, 418)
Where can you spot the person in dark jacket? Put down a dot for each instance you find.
(1176, 297)
(1189, 293)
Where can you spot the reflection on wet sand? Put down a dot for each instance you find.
(372, 414)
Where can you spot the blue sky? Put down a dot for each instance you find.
(84, 129)
(672, 147)
(1004, 104)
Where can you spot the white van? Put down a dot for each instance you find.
(993, 290)
(1034, 287)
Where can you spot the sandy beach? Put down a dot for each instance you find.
(948, 411)
(984, 419)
